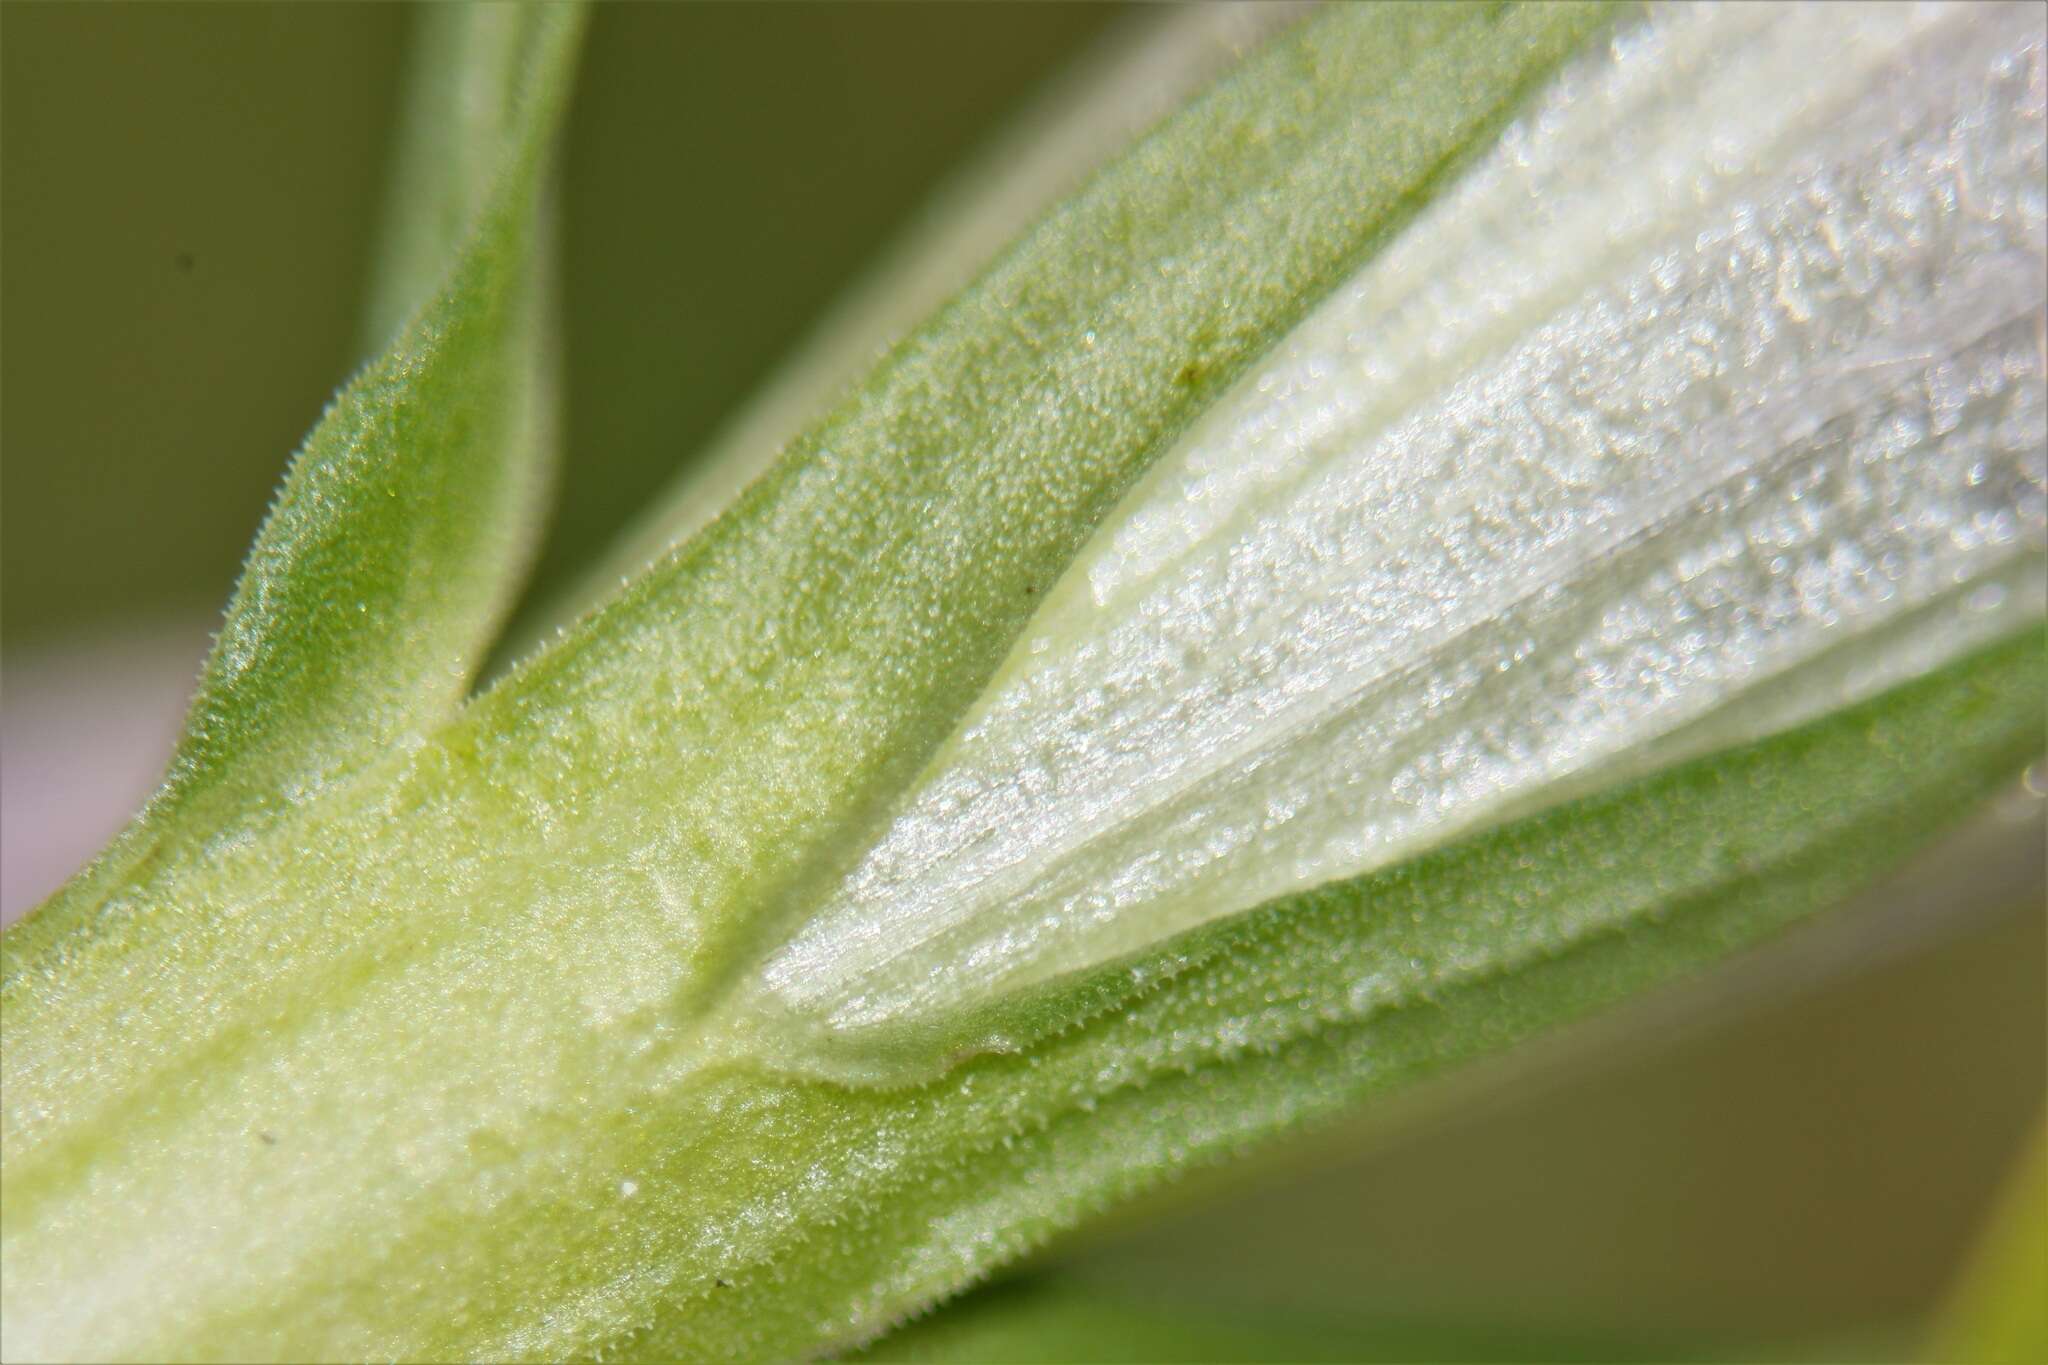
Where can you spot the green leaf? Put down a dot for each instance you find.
(395, 545)
(484, 91)
(1157, 59)
(565, 1028)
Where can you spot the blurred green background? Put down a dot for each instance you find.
(186, 198)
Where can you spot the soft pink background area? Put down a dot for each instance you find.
(85, 729)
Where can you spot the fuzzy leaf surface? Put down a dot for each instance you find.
(554, 1032)
(396, 542)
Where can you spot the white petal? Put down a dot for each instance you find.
(1709, 401)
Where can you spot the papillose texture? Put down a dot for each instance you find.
(1710, 401)
(1705, 401)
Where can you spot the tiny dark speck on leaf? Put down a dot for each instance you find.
(185, 261)
(268, 1139)
(724, 1284)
